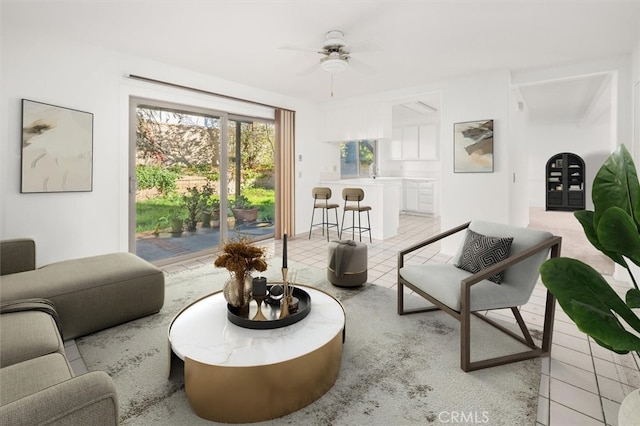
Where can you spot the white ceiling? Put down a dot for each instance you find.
(417, 41)
(572, 100)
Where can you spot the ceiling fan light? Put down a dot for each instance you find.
(334, 65)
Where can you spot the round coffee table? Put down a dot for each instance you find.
(238, 375)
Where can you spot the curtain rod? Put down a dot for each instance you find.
(206, 92)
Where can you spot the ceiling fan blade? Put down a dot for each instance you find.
(299, 48)
(309, 69)
(366, 46)
(361, 66)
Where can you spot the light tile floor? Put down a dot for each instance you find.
(581, 384)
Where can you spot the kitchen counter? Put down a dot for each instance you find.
(383, 194)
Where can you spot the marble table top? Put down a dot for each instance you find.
(203, 333)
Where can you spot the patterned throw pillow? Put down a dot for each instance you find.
(480, 251)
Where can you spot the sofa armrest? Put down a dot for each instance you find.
(17, 255)
(89, 399)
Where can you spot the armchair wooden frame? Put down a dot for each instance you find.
(464, 316)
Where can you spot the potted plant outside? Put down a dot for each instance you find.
(175, 220)
(613, 227)
(243, 211)
(177, 225)
(195, 201)
(214, 205)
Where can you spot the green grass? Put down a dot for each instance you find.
(264, 199)
(148, 212)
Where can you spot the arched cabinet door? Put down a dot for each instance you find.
(564, 181)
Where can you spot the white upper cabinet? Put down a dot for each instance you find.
(360, 122)
(410, 143)
(396, 144)
(416, 128)
(415, 142)
(428, 149)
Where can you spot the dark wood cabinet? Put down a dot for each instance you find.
(565, 182)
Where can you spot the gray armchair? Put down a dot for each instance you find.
(461, 293)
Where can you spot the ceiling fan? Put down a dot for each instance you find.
(336, 55)
(336, 52)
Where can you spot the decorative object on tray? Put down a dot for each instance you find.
(285, 304)
(259, 294)
(272, 311)
(275, 294)
(240, 258)
(292, 301)
(287, 289)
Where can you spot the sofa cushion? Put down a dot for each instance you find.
(92, 293)
(89, 399)
(31, 376)
(442, 281)
(26, 335)
(17, 255)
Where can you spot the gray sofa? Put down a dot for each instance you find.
(64, 300)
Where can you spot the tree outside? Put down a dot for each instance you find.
(178, 169)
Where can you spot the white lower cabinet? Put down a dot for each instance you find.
(411, 196)
(419, 196)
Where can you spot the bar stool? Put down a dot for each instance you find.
(351, 196)
(321, 197)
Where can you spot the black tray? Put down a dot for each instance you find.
(304, 307)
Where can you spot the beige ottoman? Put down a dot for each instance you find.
(347, 262)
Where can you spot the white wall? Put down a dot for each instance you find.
(468, 196)
(407, 167)
(465, 196)
(520, 147)
(75, 75)
(618, 67)
(635, 87)
(594, 137)
(621, 273)
(71, 74)
(519, 152)
(592, 143)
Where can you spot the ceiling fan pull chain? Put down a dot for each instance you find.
(332, 85)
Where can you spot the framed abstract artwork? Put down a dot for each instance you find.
(57, 149)
(473, 147)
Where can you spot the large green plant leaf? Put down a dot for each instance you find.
(633, 298)
(617, 232)
(590, 302)
(616, 185)
(586, 219)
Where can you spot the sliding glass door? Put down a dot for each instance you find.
(191, 170)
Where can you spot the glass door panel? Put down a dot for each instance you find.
(251, 178)
(178, 193)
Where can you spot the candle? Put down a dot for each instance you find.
(284, 250)
(260, 286)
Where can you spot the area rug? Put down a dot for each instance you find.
(396, 370)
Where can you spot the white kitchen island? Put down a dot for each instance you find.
(383, 194)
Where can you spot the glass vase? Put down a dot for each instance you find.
(237, 290)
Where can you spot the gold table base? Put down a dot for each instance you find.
(259, 393)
